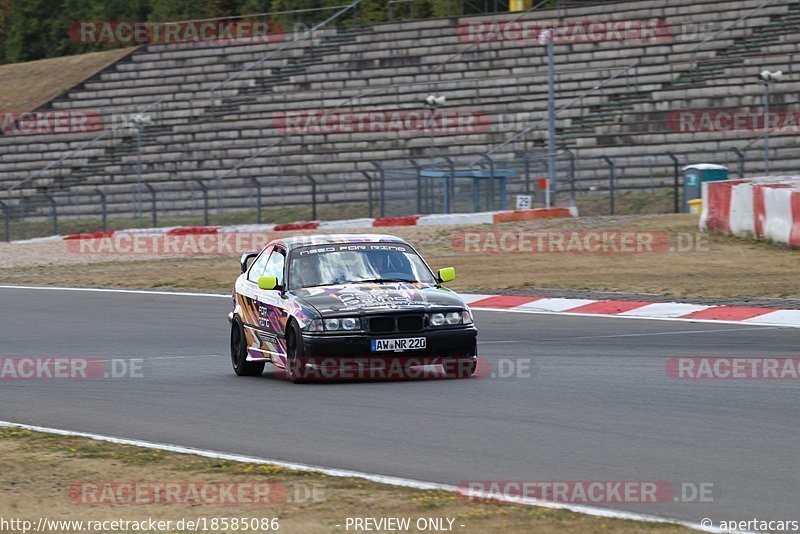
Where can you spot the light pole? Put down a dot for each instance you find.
(434, 102)
(767, 78)
(546, 38)
(139, 121)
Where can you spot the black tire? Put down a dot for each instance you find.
(295, 360)
(462, 369)
(239, 352)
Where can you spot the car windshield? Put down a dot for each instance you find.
(340, 263)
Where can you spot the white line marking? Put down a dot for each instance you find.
(665, 309)
(777, 317)
(109, 290)
(610, 316)
(380, 479)
(554, 304)
(752, 322)
(152, 358)
(646, 334)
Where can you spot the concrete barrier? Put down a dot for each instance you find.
(766, 208)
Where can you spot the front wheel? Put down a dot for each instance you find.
(295, 362)
(239, 352)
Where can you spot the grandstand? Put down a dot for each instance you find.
(218, 139)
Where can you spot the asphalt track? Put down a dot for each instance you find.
(598, 404)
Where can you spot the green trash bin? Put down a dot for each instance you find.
(695, 175)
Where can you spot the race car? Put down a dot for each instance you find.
(347, 305)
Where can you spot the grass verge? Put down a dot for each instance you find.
(31, 84)
(76, 478)
(699, 265)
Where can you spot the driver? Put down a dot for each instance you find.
(305, 272)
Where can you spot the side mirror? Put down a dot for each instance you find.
(268, 282)
(247, 256)
(448, 274)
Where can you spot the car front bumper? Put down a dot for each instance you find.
(444, 344)
(349, 356)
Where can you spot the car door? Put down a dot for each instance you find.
(249, 304)
(271, 307)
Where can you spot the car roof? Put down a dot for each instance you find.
(327, 239)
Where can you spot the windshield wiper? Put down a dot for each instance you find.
(382, 281)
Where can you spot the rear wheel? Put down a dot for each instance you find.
(295, 361)
(239, 352)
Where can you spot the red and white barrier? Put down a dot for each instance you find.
(669, 311)
(766, 208)
(486, 217)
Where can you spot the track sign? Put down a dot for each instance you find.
(524, 202)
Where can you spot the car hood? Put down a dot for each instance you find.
(378, 298)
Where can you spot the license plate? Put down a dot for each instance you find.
(398, 344)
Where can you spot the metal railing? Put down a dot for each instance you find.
(653, 181)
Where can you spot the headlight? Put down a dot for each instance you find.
(314, 325)
(349, 323)
(453, 318)
(345, 323)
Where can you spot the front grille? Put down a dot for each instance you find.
(409, 323)
(381, 324)
(400, 323)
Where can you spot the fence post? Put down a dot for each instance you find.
(739, 155)
(571, 177)
(369, 193)
(612, 181)
(204, 187)
(313, 196)
(526, 162)
(676, 182)
(451, 185)
(382, 177)
(490, 189)
(419, 188)
(572, 159)
(257, 184)
(103, 208)
(152, 202)
(54, 211)
(6, 221)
